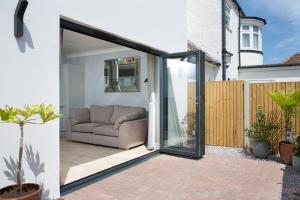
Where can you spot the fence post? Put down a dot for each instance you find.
(246, 112)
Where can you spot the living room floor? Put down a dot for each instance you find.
(78, 160)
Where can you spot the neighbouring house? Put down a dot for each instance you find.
(227, 35)
(293, 59)
(287, 70)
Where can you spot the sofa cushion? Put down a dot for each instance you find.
(107, 130)
(123, 110)
(85, 127)
(79, 115)
(101, 113)
(128, 117)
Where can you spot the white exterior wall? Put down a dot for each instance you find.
(205, 26)
(248, 58)
(232, 42)
(159, 24)
(284, 73)
(30, 65)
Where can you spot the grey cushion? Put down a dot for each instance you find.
(123, 110)
(79, 115)
(101, 113)
(127, 117)
(107, 130)
(85, 127)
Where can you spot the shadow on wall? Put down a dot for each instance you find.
(25, 39)
(290, 184)
(36, 166)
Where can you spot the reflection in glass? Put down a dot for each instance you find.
(180, 131)
(122, 75)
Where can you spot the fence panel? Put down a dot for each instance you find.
(259, 97)
(224, 112)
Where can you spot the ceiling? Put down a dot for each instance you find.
(76, 43)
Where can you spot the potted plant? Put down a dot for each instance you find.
(296, 156)
(36, 114)
(288, 102)
(259, 134)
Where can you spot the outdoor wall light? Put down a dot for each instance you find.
(18, 17)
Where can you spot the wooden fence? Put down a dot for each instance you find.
(224, 112)
(258, 95)
(224, 108)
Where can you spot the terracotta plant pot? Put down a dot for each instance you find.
(30, 191)
(286, 152)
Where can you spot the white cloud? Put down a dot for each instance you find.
(288, 43)
(288, 10)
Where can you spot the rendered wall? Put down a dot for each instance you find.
(283, 73)
(232, 42)
(30, 74)
(204, 26)
(30, 65)
(248, 59)
(159, 24)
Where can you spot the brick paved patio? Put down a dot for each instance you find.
(214, 177)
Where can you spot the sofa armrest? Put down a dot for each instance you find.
(128, 117)
(133, 133)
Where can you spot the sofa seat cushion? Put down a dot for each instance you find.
(124, 110)
(107, 130)
(127, 117)
(85, 127)
(101, 114)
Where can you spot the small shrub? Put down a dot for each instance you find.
(297, 147)
(259, 131)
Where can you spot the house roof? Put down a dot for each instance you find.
(239, 7)
(256, 18)
(193, 47)
(293, 59)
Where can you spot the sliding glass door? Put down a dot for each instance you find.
(182, 104)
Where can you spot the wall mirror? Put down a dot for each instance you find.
(122, 75)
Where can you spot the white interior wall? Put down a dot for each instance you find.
(94, 80)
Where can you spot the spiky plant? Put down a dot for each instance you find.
(35, 114)
(288, 102)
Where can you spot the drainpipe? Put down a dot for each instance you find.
(223, 42)
(239, 38)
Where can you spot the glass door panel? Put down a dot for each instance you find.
(181, 97)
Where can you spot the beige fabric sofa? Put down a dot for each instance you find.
(114, 126)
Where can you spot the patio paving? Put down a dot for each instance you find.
(216, 176)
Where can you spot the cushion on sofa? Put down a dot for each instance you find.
(79, 115)
(107, 130)
(101, 113)
(123, 110)
(85, 127)
(128, 117)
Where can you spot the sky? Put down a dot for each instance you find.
(281, 35)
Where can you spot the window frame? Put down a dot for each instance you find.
(252, 31)
(227, 15)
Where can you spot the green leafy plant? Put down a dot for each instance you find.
(288, 102)
(297, 147)
(274, 121)
(35, 114)
(259, 131)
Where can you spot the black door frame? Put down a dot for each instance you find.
(85, 30)
(200, 107)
